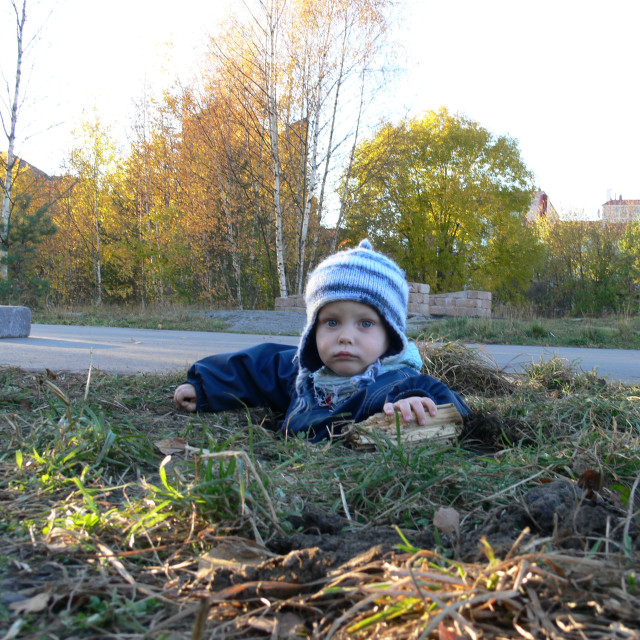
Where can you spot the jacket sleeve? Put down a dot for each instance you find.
(389, 387)
(420, 385)
(262, 375)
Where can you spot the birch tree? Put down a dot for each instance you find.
(9, 125)
(92, 161)
(295, 67)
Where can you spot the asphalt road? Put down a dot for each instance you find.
(130, 351)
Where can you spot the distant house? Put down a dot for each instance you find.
(620, 210)
(541, 208)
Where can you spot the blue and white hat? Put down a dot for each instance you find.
(361, 275)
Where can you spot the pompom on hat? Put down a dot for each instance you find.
(361, 275)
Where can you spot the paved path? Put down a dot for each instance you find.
(115, 350)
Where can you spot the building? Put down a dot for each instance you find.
(541, 208)
(620, 210)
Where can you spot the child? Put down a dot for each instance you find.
(353, 359)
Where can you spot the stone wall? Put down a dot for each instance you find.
(292, 303)
(419, 299)
(422, 303)
(461, 303)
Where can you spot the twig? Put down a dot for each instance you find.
(343, 497)
(630, 506)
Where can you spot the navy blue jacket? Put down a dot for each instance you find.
(265, 375)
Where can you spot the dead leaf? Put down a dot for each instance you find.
(447, 519)
(445, 633)
(590, 480)
(266, 625)
(35, 604)
(169, 446)
(290, 625)
(232, 552)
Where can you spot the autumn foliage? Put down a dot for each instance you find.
(232, 188)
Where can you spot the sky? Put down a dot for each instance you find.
(559, 76)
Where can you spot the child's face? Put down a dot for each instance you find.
(350, 336)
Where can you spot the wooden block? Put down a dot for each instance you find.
(444, 426)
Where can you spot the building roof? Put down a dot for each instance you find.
(621, 202)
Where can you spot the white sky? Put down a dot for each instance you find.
(560, 76)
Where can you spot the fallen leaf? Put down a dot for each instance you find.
(232, 552)
(590, 479)
(34, 604)
(290, 625)
(447, 519)
(445, 633)
(169, 446)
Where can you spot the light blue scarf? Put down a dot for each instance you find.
(330, 389)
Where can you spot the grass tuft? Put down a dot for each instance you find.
(123, 517)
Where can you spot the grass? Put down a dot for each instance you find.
(613, 332)
(173, 318)
(125, 518)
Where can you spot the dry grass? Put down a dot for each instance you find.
(123, 518)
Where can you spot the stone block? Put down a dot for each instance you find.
(419, 287)
(466, 302)
(15, 322)
(421, 309)
(438, 310)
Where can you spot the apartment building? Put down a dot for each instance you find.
(620, 210)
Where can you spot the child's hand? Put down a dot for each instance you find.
(185, 396)
(412, 408)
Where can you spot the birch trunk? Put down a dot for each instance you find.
(304, 229)
(347, 176)
(228, 216)
(98, 259)
(272, 107)
(21, 16)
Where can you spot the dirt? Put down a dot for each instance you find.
(559, 511)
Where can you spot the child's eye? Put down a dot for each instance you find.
(367, 323)
(331, 323)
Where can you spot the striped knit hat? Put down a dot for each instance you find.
(361, 275)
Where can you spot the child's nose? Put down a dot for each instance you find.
(345, 336)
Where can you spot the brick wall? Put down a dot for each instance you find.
(421, 302)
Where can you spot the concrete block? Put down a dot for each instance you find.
(15, 322)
